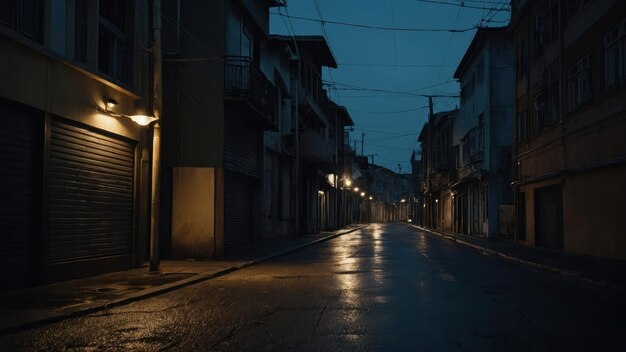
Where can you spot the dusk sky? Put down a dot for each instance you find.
(382, 72)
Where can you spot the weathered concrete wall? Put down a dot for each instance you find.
(193, 212)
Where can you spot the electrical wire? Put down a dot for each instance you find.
(460, 5)
(358, 25)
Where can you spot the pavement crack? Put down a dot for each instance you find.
(319, 319)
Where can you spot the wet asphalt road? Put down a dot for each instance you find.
(387, 287)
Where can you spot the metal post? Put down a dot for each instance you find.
(155, 260)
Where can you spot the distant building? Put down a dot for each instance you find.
(439, 169)
(221, 93)
(482, 193)
(570, 120)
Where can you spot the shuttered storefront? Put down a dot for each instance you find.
(241, 178)
(91, 187)
(237, 210)
(21, 137)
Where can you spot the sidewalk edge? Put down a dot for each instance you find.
(527, 263)
(165, 288)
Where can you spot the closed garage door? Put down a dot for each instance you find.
(549, 217)
(91, 194)
(237, 210)
(21, 136)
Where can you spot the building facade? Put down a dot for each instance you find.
(75, 175)
(221, 93)
(570, 118)
(482, 193)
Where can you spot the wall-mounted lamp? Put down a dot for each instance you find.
(142, 120)
(110, 105)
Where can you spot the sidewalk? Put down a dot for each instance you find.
(599, 272)
(21, 309)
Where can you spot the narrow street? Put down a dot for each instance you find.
(386, 287)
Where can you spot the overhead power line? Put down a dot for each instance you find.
(389, 112)
(358, 25)
(463, 5)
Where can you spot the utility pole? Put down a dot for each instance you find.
(430, 160)
(362, 139)
(157, 102)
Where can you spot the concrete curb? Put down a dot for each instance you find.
(165, 288)
(530, 264)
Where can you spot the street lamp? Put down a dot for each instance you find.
(356, 189)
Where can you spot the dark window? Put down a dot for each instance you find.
(31, 18)
(7, 12)
(540, 33)
(553, 111)
(555, 23)
(522, 126)
(115, 51)
(480, 69)
(571, 7)
(615, 57)
(24, 15)
(80, 31)
(579, 83)
(539, 112)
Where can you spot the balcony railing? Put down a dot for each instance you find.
(243, 80)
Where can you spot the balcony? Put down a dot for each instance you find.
(245, 83)
(314, 149)
(276, 3)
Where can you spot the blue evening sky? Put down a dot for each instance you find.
(392, 62)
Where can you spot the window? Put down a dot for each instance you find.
(571, 7)
(80, 31)
(115, 51)
(579, 83)
(539, 112)
(614, 57)
(554, 20)
(480, 69)
(540, 32)
(26, 16)
(521, 126)
(552, 112)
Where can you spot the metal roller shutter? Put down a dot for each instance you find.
(237, 210)
(91, 194)
(21, 136)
